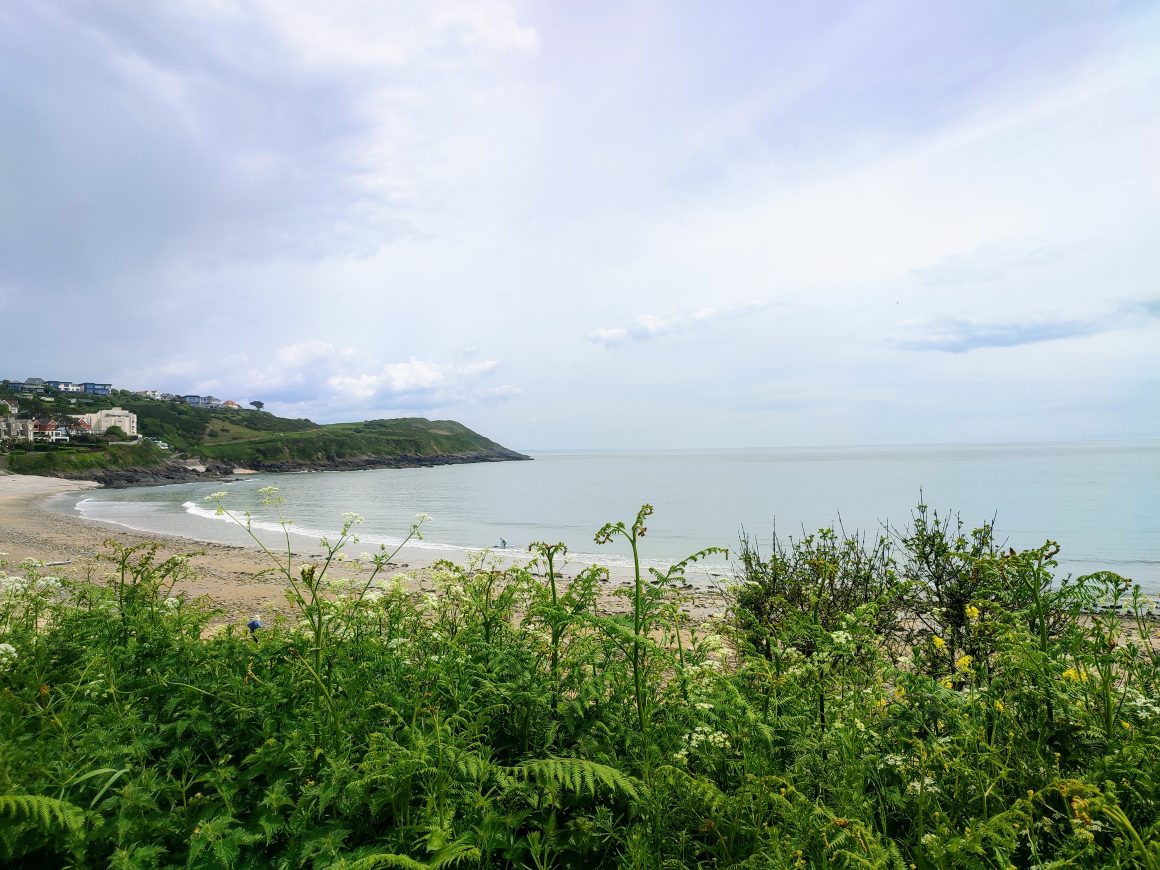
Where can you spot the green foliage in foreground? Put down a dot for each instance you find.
(926, 701)
(66, 460)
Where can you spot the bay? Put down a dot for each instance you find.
(1098, 500)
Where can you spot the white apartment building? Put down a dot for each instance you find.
(102, 421)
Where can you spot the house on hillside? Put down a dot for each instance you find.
(92, 389)
(33, 386)
(102, 421)
(202, 401)
(231, 405)
(13, 429)
(64, 386)
(50, 430)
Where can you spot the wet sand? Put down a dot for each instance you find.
(236, 580)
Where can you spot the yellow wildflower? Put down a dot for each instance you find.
(1127, 725)
(946, 683)
(1075, 675)
(972, 612)
(938, 642)
(999, 706)
(963, 662)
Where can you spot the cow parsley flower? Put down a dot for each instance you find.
(7, 656)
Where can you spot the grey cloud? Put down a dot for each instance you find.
(956, 335)
(148, 138)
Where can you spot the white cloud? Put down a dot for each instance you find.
(650, 326)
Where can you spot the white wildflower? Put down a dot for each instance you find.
(923, 786)
(7, 655)
(423, 518)
(350, 518)
(703, 734)
(841, 638)
(216, 496)
(12, 584)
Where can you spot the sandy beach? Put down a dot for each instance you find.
(236, 580)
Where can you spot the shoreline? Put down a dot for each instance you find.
(235, 579)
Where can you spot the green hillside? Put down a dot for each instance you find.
(62, 461)
(186, 428)
(243, 437)
(409, 437)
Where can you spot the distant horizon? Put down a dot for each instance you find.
(1148, 439)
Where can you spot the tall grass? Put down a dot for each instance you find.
(926, 699)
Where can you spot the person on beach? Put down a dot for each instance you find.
(253, 625)
(503, 543)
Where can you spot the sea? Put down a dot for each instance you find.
(1099, 501)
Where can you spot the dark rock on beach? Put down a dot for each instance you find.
(158, 475)
(362, 463)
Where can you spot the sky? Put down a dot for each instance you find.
(595, 225)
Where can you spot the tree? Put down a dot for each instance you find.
(115, 433)
(258, 405)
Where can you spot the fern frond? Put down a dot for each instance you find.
(702, 790)
(578, 775)
(452, 855)
(383, 859)
(447, 857)
(46, 813)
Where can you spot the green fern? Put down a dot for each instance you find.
(578, 775)
(447, 857)
(47, 814)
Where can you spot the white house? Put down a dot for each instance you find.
(102, 421)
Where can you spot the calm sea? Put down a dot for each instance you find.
(1101, 502)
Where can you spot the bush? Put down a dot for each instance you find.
(502, 721)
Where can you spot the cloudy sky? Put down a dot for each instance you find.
(645, 224)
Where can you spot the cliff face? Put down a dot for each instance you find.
(154, 475)
(361, 463)
(178, 472)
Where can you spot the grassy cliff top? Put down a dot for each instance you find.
(259, 439)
